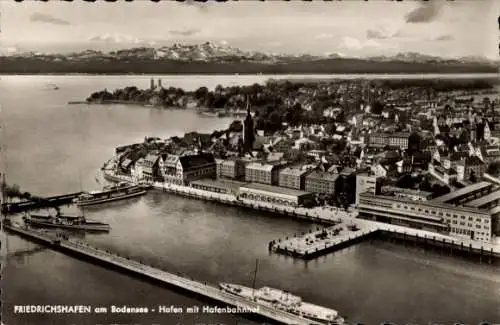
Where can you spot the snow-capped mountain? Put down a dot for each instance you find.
(211, 52)
(413, 57)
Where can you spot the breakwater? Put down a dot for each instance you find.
(203, 289)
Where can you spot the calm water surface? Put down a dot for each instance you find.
(51, 147)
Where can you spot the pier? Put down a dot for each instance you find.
(36, 203)
(321, 242)
(314, 244)
(206, 290)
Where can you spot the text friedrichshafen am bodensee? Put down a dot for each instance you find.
(87, 309)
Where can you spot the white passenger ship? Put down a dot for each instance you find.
(285, 301)
(116, 192)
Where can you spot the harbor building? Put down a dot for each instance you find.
(366, 182)
(233, 168)
(148, 168)
(459, 221)
(218, 167)
(263, 173)
(407, 193)
(466, 194)
(218, 186)
(274, 194)
(294, 178)
(346, 185)
(321, 182)
(182, 170)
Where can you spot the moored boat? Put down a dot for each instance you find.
(65, 222)
(285, 301)
(111, 193)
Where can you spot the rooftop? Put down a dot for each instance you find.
(260, 166)
(462, 192)
(274, 189)
(218, 183)
(430, 203)
(323, 175)
(480, 202)
(293, 171)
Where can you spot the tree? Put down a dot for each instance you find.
(464, 137)
(236, 126)
(376, 107)
(201, 93)
(405, 182)
(494, 168)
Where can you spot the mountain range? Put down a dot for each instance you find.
(210, 52)
(208, 57)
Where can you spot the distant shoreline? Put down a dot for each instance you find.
(10, 65)
(312, 74)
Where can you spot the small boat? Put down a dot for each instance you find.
(65, 222)
(111, 193)
(208, 113)
(51, 87)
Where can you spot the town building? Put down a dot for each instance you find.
(274, 194)
(233, 168)
(258, 172)
(321, 182)
(366, 182)
(445, 175)
(470, 166)
(399, 140)
(218, 186)
(456, 221)
(182, 170)
(407, 193)
(293, 178)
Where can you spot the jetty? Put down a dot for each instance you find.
(313, 244)
(203, 289)
(39, 202)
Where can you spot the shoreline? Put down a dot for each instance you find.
(325, 216)
(418, 75)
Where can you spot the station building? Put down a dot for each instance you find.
(274, 194)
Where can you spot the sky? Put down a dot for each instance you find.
(350, 28)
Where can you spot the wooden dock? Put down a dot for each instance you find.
(202, 289)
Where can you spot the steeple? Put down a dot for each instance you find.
(248, 107)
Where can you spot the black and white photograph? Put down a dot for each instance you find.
(250, 162)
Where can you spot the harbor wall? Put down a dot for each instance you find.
(384, 230)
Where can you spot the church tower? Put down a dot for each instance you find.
(248, 130)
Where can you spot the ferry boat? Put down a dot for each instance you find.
(285, 301)
(111, 193)
(65, 222)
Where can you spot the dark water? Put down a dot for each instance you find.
(51, 148)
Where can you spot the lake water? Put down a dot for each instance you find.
(50, 147)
